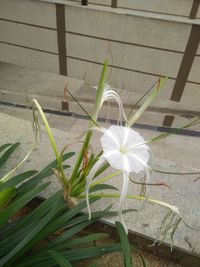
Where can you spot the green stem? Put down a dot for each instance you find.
(53, 142)
(151, 200)
(96, 109)
(175, 173)
(106, 178)
(51, 137)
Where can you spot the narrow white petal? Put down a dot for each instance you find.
(139, 159)
(126, 135)
(127, 164)
(111, 94)
(115, 159)
(122, 198)
(120, 104)
(89, 180)
(138, 145)
(108, 112)
(109, 153)
(109, 134)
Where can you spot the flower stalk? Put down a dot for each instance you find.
(96, 109)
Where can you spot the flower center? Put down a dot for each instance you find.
(123, 150)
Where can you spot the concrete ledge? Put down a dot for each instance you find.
(122, 11)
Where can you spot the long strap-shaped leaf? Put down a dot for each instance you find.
(20, 203)
(45, 172)
(125, 245)
(7, 154)
(28, 241)
(4, 146)
(145, 105)
(73, 255)
(17, 179)
(60, 259)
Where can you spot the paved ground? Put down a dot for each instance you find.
(176, 153)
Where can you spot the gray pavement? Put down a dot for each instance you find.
(175, 153)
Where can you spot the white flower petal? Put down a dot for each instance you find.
(139, 160)
(89, 180)
(115, 160)
(110, 140)
(142, 153)
(118, 132)
(134, 138)
(134, 165)
(116, 143)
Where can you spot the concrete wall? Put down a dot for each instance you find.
(144, 40)
(28, 35)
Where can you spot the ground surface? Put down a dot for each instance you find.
(176, 153)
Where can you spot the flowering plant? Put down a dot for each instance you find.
(123, 149)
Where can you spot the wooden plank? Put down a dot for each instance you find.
(186, 63)
(60, 18)
(194, 72)
(114, 3)
(194, 9)
(198, 13)
(84, 2)
(185, 68)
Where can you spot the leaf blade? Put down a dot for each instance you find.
(60, 259)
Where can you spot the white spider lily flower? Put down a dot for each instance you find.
(124, 149)
(110, 94)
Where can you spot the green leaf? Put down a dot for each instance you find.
(30, 239)
(45, 172)
(145, 105)
(60, 259)
(85, 239)
(95, 113)
(79, 254)
(61, 221)
(173, 131)
(103, 187)
(126, 249)
(4, 146)
(101, 169)
(23, 227)
(73, 255)
(6, 195)
(17, 179)
(7, 154)
(37, 213)
(19, 203)
(142, 260)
